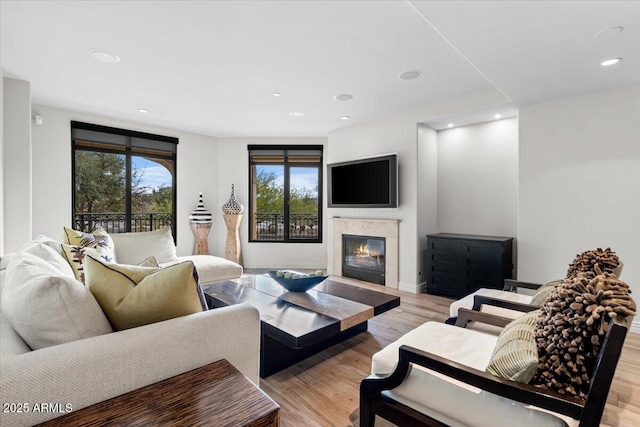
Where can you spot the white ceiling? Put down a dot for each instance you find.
(211, 66)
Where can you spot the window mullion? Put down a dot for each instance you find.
(286, 200)
(128, 197)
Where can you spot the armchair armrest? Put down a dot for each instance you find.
(371, 387)
(465, 316)
(511, 285)
(479, 301)
(88, 371)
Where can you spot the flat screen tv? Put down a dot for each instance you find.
(364, 183)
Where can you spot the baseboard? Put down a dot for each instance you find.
(414, 289)
(288, 267)
(635, 327)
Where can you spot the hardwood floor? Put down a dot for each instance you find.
(322, 390)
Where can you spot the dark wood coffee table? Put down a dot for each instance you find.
(296, 325)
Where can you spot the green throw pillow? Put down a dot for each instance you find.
(543, 293)
(132, 296)
(515, 356)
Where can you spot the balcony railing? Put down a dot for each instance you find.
(270, 226)
(115, 222)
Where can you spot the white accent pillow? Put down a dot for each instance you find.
(43, 248)
(46, 307)
(132, 248)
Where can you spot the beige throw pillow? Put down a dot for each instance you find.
(515, 356)
(46, 307)
(544, 292)
(132, 296)
(43, 248)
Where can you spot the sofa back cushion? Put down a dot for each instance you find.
(132, 248)
(50, 251)
(46, 307)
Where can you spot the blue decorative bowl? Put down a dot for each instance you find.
(302, 284)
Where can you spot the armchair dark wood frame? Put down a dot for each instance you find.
(589, 412)
(480, 300)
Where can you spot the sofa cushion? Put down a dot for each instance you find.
(441, 397)
(46, 307)
(211, 268)
(515, 356)
(43, 248)
(133, 296)
(132, 248)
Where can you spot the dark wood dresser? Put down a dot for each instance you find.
(459, 264)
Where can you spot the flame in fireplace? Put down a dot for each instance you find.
(363, 251)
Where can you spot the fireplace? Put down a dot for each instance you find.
(363, 258)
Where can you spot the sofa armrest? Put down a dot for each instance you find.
(465, 316)
(479, 301)
(88, 371)
(511, 285)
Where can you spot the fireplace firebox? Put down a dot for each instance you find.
(363, 258)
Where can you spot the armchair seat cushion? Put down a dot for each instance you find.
(467, 302)
(457, 404)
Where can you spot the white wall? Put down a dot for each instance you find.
(197, 171)
(580, 183)
(16, 163)
(427, 217)
(398, 134)
(478, 179)
(234, 169)
(2, 167)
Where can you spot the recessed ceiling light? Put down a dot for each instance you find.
(497, 116)
(297, 114)
(610, 62)
(104, 56)
(450, 125)
(345, 117)
(608, 32)
(343, 97)
(143, 110)
(410, 75)
(276, 94)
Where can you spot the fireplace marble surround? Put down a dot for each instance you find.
(387, 228)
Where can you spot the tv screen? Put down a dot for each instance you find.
(366, 183)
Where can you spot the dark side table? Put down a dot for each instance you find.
(212, 395)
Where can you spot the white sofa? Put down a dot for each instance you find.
(83, 372)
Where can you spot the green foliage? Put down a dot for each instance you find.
(269, 193)
(162, 200)
(100, 182)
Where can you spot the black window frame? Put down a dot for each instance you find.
(287, 166)
(128, 152)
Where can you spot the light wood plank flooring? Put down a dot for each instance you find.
(322, 390)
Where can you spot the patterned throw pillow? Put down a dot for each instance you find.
(515, 356)
(544, 292)
(76, 243)
(132, 296)
(75, 256)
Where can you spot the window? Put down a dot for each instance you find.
(285, 187)
(122, 180)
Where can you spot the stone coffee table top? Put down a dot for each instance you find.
(300, 319)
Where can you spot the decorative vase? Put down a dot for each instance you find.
(233, 211)
(200, 220)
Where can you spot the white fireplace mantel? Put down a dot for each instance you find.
(387, 228)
